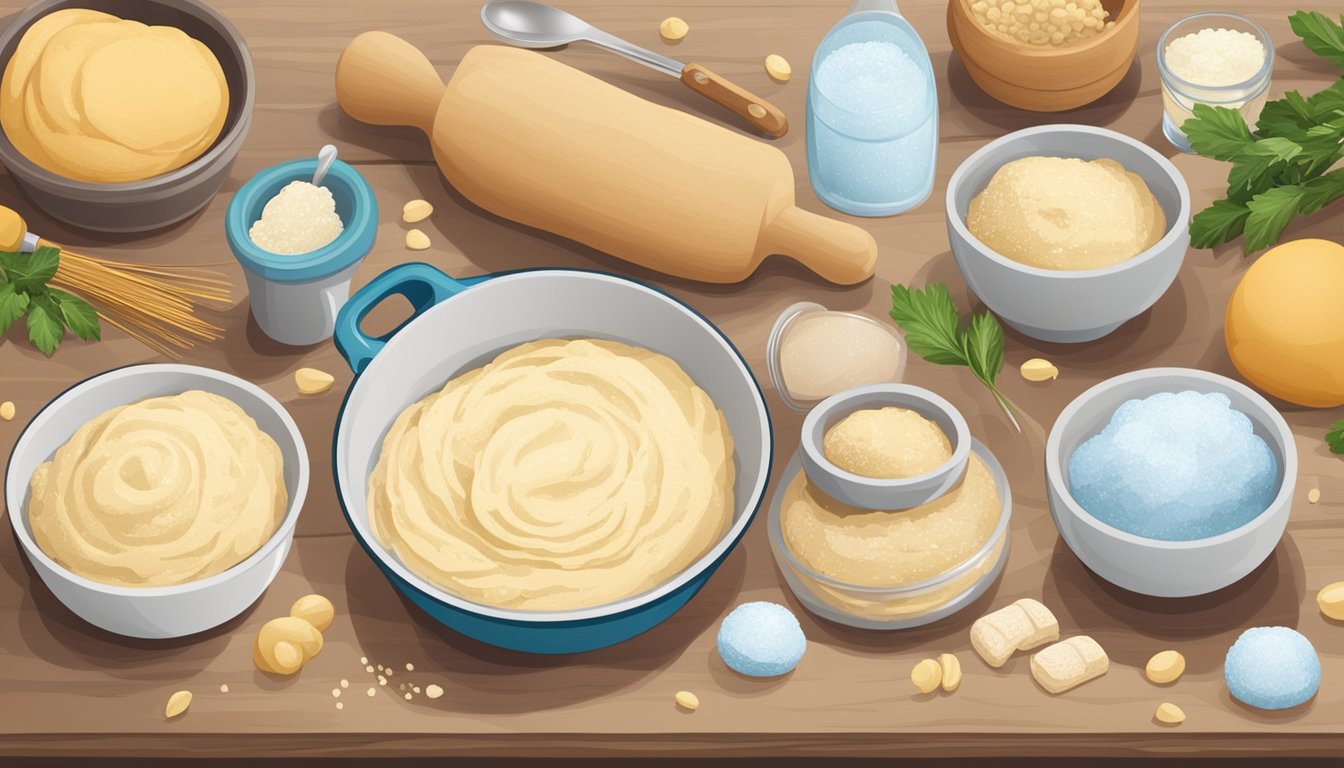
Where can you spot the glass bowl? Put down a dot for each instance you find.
(899, 606)
(1179, 97)
(839, 374)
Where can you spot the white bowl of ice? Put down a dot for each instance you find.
(1189, 518)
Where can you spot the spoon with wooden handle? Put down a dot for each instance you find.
(534, 25)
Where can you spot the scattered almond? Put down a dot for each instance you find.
(687, 700)
(285, 644)
(335, 693)
(1038, 369)
(345, 683)
(417, 240)
(410, 667)
(7, 410)
(927, 676)
(433, 691)
(1170, 714)
(1314, 495)
(177, 704)
(1165, 667)
(408, 697)
(673, 29)
(224, 688)
(372, 692)
(951, 671)
(339, 705)
(314, 609)
(311, 381)
(1331, 600)
(777, 67)
(416, 210)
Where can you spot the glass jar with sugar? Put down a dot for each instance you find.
(1218, 59)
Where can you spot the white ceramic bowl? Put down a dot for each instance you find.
(1152, 566)
(1069, 306)
(155, 612)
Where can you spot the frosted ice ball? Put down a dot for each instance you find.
(761, 640)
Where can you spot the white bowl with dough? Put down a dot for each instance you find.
(1069, 306)
(155, 612)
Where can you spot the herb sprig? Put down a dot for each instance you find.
(25, 291)
(1282, 169)
(934, 331)
(1335, 437)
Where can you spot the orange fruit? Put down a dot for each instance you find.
(1285, 323)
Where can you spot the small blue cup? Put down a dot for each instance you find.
(296, 298)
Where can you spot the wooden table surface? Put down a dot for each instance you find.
(69, 689)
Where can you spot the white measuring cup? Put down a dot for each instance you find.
(872, 144)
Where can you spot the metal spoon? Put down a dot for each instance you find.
(325, 157)
(534, 25)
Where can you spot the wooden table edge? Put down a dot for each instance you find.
(170, 744)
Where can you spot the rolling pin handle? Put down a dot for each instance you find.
(837, 251)
(384, 80)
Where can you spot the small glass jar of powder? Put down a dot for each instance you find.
(814, 353)
(1218, 59)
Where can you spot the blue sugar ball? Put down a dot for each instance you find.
(761, 640)
(1272, 668)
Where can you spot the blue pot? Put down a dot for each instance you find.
(459, 325)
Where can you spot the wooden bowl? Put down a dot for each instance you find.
(1044, 78)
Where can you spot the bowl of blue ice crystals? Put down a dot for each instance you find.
(1171, 482)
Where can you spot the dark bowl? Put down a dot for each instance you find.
(161, 200)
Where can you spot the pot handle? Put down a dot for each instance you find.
(421, 284)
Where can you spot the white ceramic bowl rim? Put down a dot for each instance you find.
(748, 507)
(1175, 224)
(18, 507)
(1056, 472)
(918, 587)
(1262, 74)
(838, 402)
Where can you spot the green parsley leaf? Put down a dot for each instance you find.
(1221, 222)
(79, 315)
(1335, 437)
(1320, 34)
(930, 320)
(29, 272)
(12, 306)
(933, 331)
(25, 291)
(1218, 132)
(1321, 191)
(983, 342)
(1270, 213)
(44, 326)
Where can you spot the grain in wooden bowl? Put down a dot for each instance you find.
(1046, 78)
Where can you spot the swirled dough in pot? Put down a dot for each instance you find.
(564, 474)
(159, 492)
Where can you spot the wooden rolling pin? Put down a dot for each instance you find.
(533, 140)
